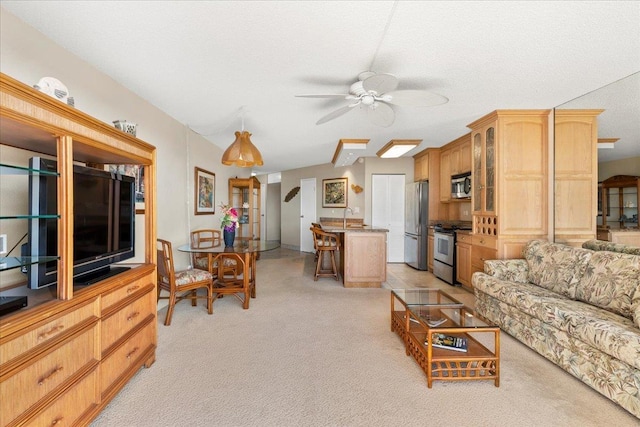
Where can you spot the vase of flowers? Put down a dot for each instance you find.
(229, 224)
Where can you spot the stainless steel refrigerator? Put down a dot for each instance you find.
(416, 224)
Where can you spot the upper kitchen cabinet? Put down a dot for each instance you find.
(461, 155)
(576, 175)
(455, 159)
(244, 196)
(421, 166)
(510, 178)
(427, 168)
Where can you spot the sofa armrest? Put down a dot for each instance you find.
(514, 270)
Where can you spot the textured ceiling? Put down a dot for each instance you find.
(204, 62)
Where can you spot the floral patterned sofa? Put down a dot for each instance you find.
(577, 307)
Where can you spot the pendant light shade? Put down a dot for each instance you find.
(242, 152)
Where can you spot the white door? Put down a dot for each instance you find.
(387, 211)
(307, 213)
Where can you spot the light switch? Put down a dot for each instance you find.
(356, 209)
(3, 244)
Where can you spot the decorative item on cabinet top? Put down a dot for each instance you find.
(54, 88)
(126, 126)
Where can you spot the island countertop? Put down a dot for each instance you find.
(330, 228)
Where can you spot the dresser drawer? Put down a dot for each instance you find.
(125, 356)
(27, 386)
(126, 319)
(67, 409)
(484, 241)
(46, 332)
(126, 291)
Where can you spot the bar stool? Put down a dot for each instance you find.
(327, 243)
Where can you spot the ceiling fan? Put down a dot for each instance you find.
(375, 92)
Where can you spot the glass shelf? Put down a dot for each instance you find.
(20, 170)
(30, 217)
(9, 263)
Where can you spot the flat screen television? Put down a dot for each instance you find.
(103, 223)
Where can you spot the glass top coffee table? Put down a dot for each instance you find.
(446, 338)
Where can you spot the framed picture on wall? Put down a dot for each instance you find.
(137, 172)
(334, 193)
(205, 189)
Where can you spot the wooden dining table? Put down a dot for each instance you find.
(248, 248)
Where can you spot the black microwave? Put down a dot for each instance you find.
(461, 186)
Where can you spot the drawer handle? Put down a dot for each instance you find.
(482, 241)
(47, 377)
(51, 331)
(57, 420)
(133, 316)
(133, 289)
(132, 352)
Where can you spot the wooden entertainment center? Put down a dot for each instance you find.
(64, 358)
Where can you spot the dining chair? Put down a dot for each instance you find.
(182, 284)
(327, 243)
(208, 238)
(238, 281)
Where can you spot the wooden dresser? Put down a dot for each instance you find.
(62, 359)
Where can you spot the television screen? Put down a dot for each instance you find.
(103, 222)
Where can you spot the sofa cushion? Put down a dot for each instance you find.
(603, 245)
(556, 267)
(611, 281)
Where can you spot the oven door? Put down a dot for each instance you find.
(443, 247)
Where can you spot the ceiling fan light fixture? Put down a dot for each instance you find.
(397, 148)
(242, 152)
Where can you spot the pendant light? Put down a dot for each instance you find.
(242, 152)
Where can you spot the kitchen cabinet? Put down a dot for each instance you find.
(421, 166)
(510, 179)
(427, 168)
(445, 175)
(54, 354)
(461, 155)
(575, 174)
(244, 196)
(430, 248)
(463, 259)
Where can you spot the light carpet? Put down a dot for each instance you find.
(312, 353)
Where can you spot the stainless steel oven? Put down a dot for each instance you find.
(444, 256)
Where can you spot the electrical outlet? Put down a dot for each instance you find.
(3, 244)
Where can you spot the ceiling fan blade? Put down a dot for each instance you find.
(381, 114)
(415, 98)
(332, 95)
(381, 83)
(336, 114)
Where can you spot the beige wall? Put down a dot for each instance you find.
(358, 173)
(629, 166)
(27, 56)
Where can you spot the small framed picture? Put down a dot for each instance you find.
(205, 188)
(334, 193)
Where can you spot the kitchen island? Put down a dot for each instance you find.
(363, 254)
